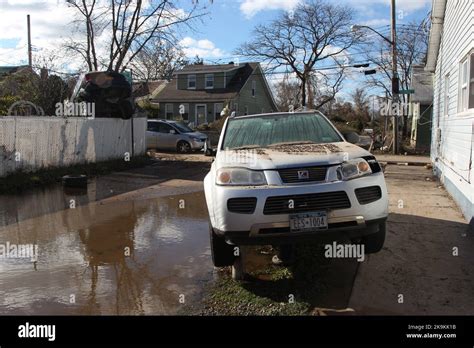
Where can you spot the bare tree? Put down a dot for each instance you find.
(158, 61)
(324, 86)
(315, 34)
(288, 95)
(361, 113)
(121, 29)
(412, 46)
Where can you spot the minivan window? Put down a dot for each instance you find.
(165, 128)
(183, 128)
(264, 131)
(153, 126)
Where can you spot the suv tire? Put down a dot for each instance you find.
(373, 243)
(222, 253)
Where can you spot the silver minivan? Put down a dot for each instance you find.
(173, 135)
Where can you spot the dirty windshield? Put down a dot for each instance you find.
(279, 129)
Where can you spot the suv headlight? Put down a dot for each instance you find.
(353, 169)
(240, 177)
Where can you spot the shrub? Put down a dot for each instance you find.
(6, 102)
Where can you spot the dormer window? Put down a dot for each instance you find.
(191, 81)
(209, 81)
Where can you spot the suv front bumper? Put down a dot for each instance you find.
(258, 228)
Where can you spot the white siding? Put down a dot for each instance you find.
(43, 142)
(454, 153)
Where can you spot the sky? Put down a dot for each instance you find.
(228, 24)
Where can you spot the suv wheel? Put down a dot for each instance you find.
(183, 147)
(222, 253)
(373, 243)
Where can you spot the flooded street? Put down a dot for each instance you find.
(137, 243)
(108, 257)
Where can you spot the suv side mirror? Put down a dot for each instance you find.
(352, 137)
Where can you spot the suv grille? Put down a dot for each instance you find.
(242, 205)
(369, 194)
(306, 203)
(308, 174)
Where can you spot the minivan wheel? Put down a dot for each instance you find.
(183, 147)
(373, 243)
(222, 253)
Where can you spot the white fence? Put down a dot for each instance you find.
(30, 143)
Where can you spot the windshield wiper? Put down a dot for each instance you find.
(293, 143)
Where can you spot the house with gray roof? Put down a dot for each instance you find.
(198, 93)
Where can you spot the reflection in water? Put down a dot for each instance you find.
(115, 258)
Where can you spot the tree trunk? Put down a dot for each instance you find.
(303, 92)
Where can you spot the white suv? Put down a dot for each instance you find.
(287, 177)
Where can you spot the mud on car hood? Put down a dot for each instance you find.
(287, 156)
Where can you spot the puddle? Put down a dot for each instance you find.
(53, 198)
(126, 258)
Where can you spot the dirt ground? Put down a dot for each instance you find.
(419, 260)
(425, 266)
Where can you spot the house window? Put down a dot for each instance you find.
(463, 95)
(184, 111)
(446, 95)
(209, 81)
(191, 81)
(471, 83)
(217, 110)
(254, 88)
(169, 111)
(466, 82)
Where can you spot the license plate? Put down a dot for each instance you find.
(315, 221)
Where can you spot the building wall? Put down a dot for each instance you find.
(31, 143)
(200, 80)
(423, 132)
(452, 134)
(261, 103)
(210, 106)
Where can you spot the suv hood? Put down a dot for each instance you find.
(288, 156)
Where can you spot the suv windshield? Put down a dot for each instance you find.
(183, 128)
(276, 129)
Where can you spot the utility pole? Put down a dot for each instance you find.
(395, 83)
(29, 41)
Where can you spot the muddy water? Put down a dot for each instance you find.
(39, 201)
(131, 257)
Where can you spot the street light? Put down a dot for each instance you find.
(395, 80)
(357, 28)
